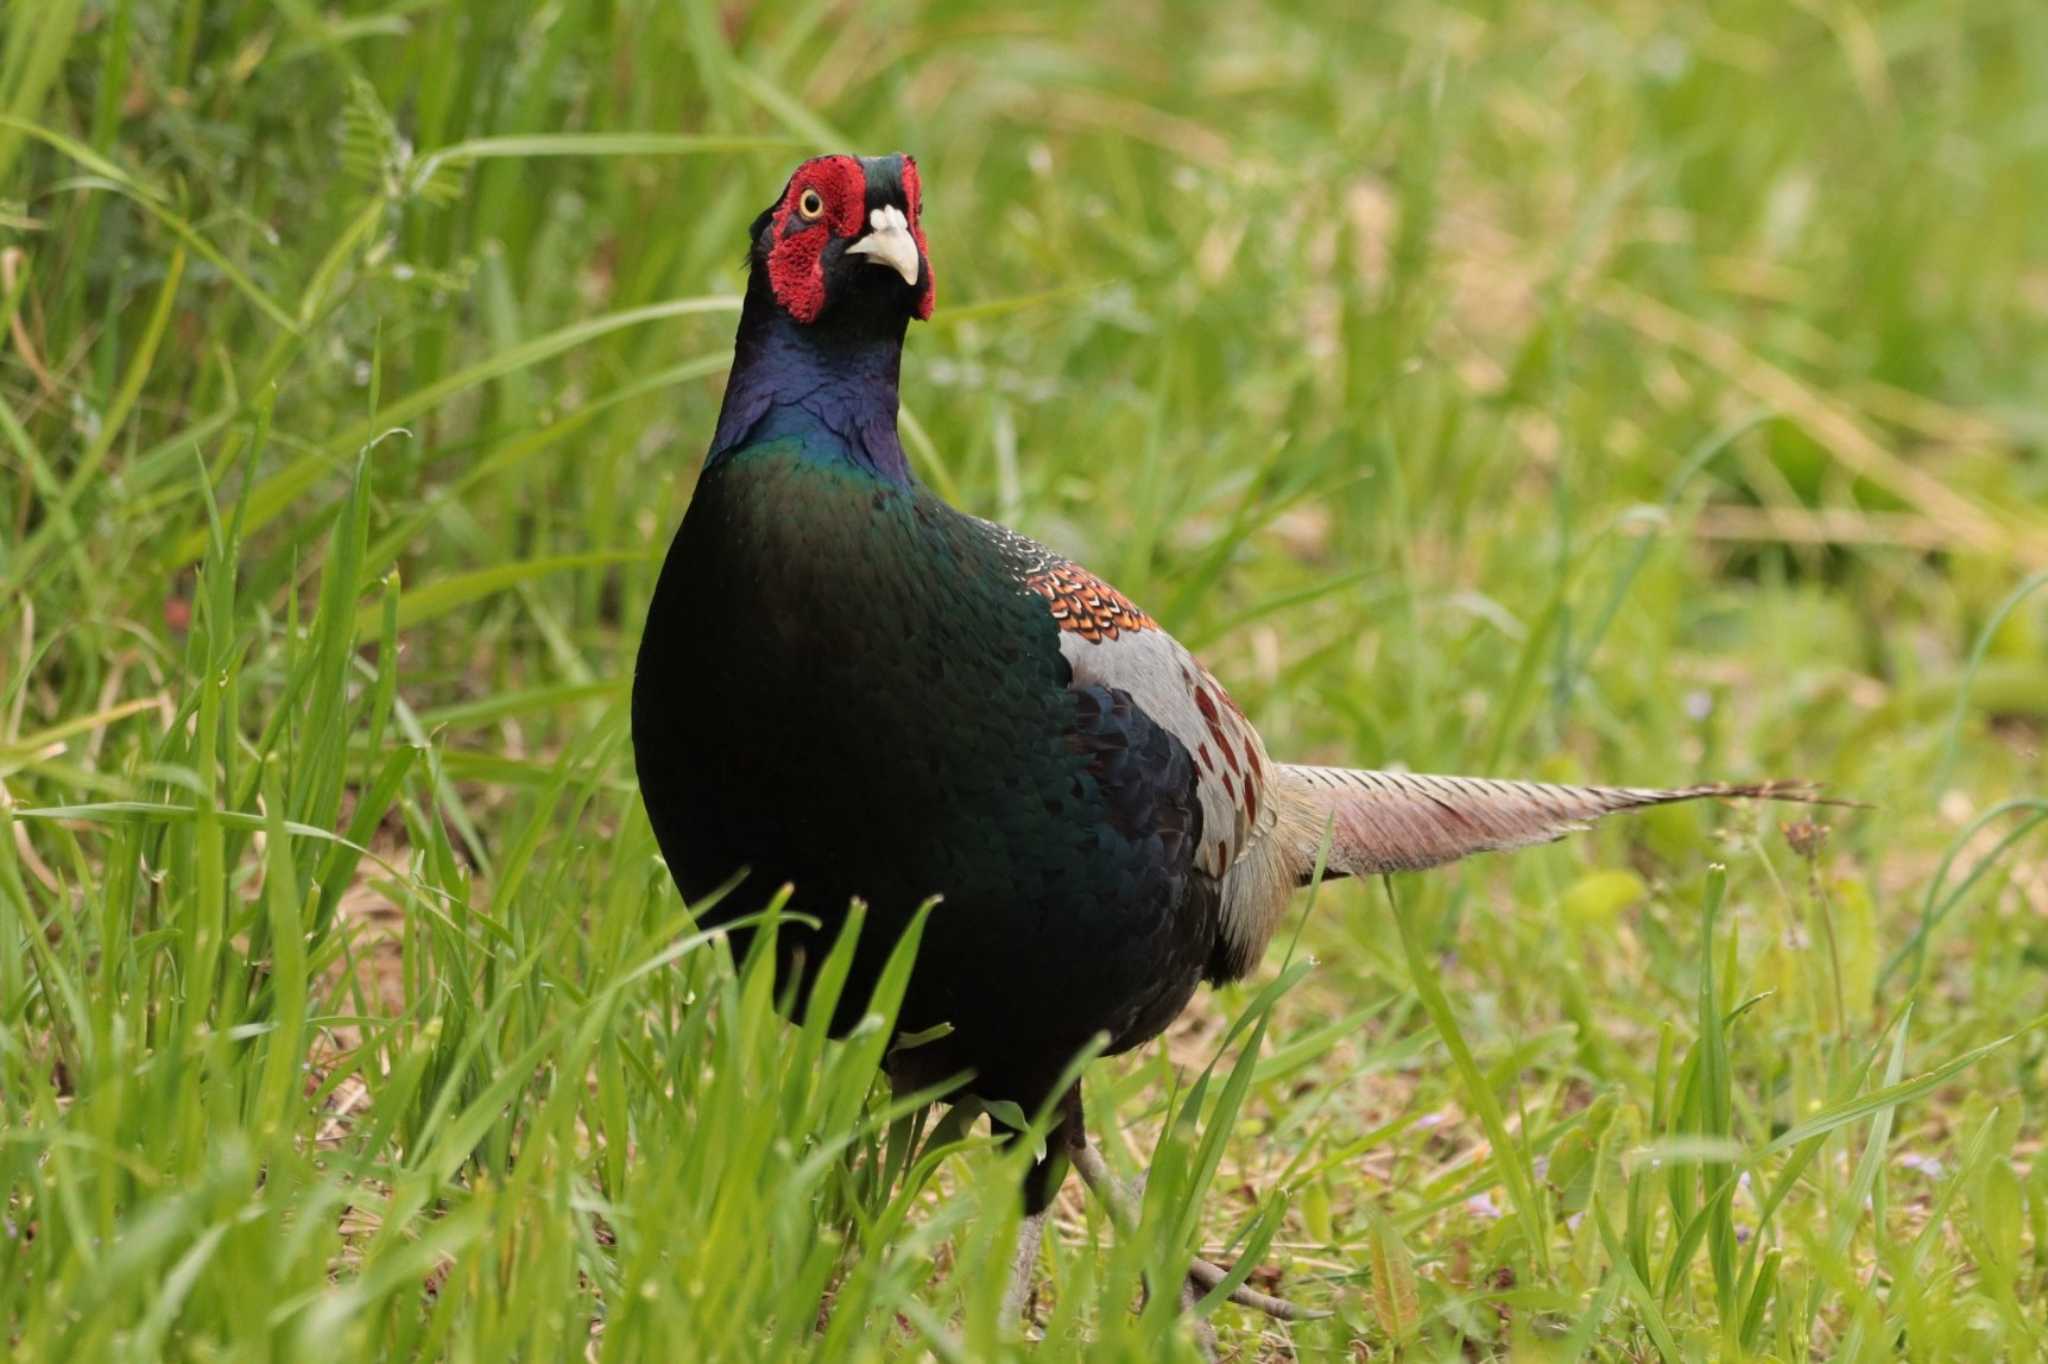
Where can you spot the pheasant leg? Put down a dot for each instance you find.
(1030, 1235)
(1203, 1275)
(1203, 1330)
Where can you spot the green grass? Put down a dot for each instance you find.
(1627, 391)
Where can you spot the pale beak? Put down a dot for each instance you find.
(889, 243)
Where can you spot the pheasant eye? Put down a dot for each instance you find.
(810, 205)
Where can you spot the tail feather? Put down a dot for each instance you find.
(1400, 821)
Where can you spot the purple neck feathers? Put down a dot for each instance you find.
(832, 388)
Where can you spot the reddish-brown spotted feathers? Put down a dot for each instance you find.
(1086, 605)
(913, 194)
(1109, 641)
(794, 261)
(1241, 784)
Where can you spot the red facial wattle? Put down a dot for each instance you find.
(795, 260)
(913, 197)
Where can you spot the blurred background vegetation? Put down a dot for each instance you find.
(1624, 391)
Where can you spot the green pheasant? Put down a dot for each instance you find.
(849, 687)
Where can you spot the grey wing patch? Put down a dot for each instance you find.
(1107, 640)
(1178, 693)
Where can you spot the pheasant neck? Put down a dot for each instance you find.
(829, 385)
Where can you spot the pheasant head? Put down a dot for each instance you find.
(842, 246)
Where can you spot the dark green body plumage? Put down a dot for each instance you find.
(851, 690)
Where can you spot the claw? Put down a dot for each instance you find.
(1094, 1172)
(1209, 1274)
(1203, 1277)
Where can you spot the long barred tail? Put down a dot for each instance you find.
(1400, 821)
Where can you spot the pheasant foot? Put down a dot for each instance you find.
(1203, 1275)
